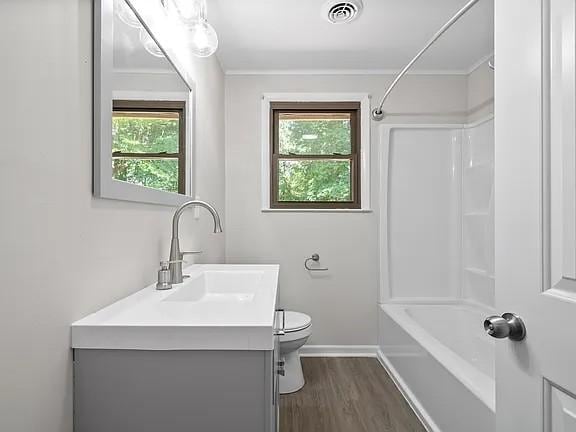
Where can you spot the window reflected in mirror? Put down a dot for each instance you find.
(149, 144)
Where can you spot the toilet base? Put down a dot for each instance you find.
(293, 380)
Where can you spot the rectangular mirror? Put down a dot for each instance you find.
(143, 110)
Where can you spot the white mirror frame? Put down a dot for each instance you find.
(104, 185)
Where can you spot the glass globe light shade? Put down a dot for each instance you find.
(188, 12)
(126, 14)
(149, 44)
(202, 39)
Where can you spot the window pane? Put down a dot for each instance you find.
(155, 173)
(148, 132)
(314, 133)
(314, 180)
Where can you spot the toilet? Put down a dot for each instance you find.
(298, 328)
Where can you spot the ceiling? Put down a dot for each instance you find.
(278, 35)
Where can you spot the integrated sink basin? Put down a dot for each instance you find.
(218, 307)
(220, 286)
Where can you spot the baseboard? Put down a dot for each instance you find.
(339, 351)
(410, 398)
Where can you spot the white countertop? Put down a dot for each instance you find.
(220, 307)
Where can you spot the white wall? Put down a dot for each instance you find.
(65, 254)
(342, 302)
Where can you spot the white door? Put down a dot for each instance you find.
(535, 213)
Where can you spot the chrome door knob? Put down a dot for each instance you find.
(508, 325)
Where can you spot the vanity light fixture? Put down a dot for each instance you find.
(188, 11)
(126, 15)
(201, 36)
(149, 44)
(203, 40)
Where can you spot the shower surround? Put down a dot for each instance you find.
(437, 270)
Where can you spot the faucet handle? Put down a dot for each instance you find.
(191, 253)
(182, 254)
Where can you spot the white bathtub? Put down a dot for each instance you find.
(443, 361)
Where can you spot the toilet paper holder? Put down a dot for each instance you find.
(315, 257)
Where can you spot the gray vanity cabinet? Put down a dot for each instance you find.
(175, 391)
(179, 361)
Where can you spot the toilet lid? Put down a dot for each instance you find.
(296, 321)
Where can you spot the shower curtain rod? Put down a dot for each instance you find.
(378, 113)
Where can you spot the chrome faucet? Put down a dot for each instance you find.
(176, 256)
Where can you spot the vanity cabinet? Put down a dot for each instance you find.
(201, 357)
(176, 391)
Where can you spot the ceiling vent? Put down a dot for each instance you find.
(341, 12)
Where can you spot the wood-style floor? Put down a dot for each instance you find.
(346, 395)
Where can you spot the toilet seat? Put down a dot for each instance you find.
(297, 326)
(296, 321)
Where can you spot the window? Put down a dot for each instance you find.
(315, 155)
(149, 144)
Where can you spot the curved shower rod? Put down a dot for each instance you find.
(378, 113)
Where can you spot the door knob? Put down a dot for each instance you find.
(508, 325)
(281, 368)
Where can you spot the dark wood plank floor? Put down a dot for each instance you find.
(346, 395)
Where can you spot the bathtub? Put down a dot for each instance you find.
(443, 362)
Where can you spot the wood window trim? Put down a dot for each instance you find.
(144, 106)
(351, 108)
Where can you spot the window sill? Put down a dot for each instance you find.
(271, 210)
